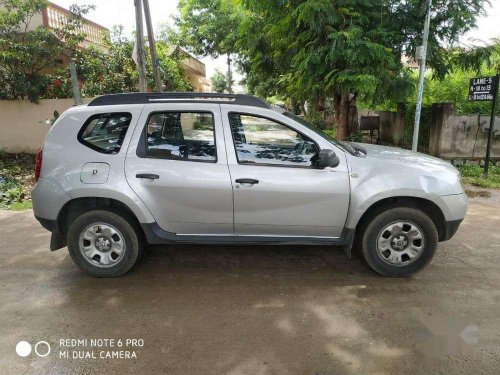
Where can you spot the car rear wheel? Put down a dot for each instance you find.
(399, 242)
(103, 243)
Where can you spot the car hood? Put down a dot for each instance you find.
(403, 171)
(402, 156)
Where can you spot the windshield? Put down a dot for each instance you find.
(342, 145)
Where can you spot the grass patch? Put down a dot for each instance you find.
(472, 175)
(17, 178)
(21, 206)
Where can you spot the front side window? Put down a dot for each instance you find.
(181, 136)
(105, 132)
(260, 140)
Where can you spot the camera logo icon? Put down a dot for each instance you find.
(24, 348)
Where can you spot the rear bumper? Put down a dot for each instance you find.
(57, 240)
(48, 224)
(48, 198)
(450, 228)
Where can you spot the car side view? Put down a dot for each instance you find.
(128, 170)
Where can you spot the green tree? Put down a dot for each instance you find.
(345, 50)
(210, 27)
(218, 81)
(112, 70)
(26, 54)
(454, 87)
(107, 71)
(172, 74)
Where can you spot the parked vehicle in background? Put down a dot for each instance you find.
(128, 170)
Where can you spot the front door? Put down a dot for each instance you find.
(277, 190)
(177, 165)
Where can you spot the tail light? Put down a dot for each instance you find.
(38, 164)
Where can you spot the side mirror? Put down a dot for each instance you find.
(327, 158)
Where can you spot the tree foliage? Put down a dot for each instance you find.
(209, 27)
(345, 50)
(26, 53)
(218, 81)
(33, 60)
(113, 71)
(107, 71)
(481, 61)
(454, 88)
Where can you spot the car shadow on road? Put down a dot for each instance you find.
(265, 261)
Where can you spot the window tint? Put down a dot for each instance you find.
(260, 140)
(182, 136)
(105, 132)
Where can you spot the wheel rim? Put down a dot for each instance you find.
(400, 243)
(102, 245)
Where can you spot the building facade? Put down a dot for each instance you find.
(55, 17)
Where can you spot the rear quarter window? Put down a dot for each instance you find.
(105, 132)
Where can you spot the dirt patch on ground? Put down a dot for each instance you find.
(478, 193)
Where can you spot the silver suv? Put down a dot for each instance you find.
(133, 169)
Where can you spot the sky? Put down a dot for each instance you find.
(122, 12)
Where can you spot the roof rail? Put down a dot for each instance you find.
(192, 97)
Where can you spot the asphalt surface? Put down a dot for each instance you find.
(250, 310)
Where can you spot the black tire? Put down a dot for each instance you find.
(130, 234)
(381, 221)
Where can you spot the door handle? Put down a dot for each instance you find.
(149, 176)
(250, 181)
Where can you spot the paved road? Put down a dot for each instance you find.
(247, 310)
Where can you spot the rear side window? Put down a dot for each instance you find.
(105, 132)
(181, 136)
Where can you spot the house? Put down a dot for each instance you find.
(195, 72)
(54, 17)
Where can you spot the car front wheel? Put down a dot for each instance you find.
(103, 243)
(399, 242)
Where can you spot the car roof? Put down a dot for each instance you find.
(178, 97)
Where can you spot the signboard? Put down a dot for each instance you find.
(481, 88)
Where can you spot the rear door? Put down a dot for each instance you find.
(177, 165)
(277, 190)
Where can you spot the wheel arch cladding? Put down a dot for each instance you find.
(425, 205)
(77, 206)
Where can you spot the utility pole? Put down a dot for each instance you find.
(422, 57)
(139, 34)
(74, 83)
(152, 47)
(229, 76)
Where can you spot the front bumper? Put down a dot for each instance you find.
(450, 228)
(454, 206)
(454, 209)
